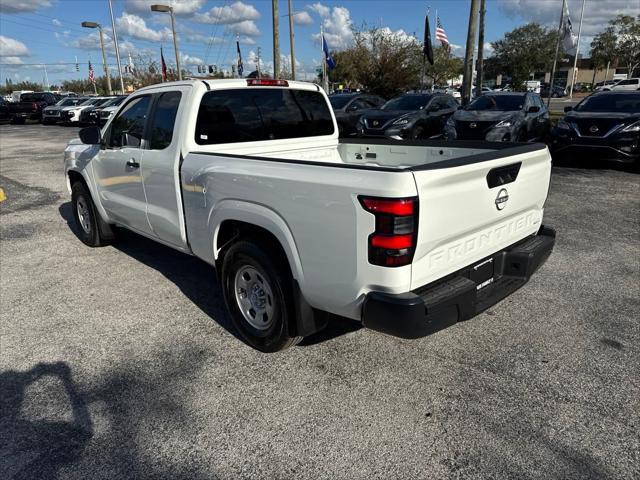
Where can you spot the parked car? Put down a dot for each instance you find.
(51, 114)
(627, 84)
(30, 106)
(604, 124)
(5, 115)
(500, 117)
(89, 115)
(347, 107)
(581, 87)
(409, 116)
(71, 114)
(557, 91)
(250, 176)
(602, 85)
(105, 112)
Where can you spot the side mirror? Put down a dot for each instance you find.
(90, 136)
(568, 109)
(533, 109)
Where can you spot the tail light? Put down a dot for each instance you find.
(393, 242)
(266, 82)
(34, 106)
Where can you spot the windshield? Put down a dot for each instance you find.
(339, 102)
(69, 101)
(32, 97)
(408, 102)
(114, 102)
(103, 101)
(614, 102)
(504, 103)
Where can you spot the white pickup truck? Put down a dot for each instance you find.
(249, 175)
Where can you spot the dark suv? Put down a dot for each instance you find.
(348, 107)
(603, 125)
(410, 116)
(501, 117)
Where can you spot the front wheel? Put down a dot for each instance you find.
(258, 295)
(92, 230)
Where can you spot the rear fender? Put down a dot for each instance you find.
(260, 216)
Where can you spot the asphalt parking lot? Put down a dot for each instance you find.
(119, 362)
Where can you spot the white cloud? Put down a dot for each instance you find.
(136, 27)
(247, 27)
(56, 22)
(23, 6)
(10, 47)
(302, 18)
(320, 9)
(247, 41)
(336, 24)
(189, 60)
(234, 13)
(92, 42)
(596, 14)
(180, 7)
(12, 60)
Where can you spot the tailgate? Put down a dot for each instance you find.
(471, 211)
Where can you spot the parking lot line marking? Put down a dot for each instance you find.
(3, 197)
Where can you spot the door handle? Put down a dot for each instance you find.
(133, 164)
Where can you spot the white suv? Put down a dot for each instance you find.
(629, 84)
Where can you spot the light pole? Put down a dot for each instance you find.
(165, 9)
(104, 57)
(115, 44)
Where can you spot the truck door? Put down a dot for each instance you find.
(117, 166)
(160, 167)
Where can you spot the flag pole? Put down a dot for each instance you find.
(575, 60)
(555, 59)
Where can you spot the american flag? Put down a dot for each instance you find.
(91, 76)
(440, 33)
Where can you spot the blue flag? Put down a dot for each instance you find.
(325, 48)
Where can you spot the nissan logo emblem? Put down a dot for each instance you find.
(502, 198)
(376, 123)
(472, 125)
(593, 129)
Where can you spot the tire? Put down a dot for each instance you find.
(258, 294)
(18, 121)
(91, 228)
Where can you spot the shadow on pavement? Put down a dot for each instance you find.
(37, 449)
(196, 279)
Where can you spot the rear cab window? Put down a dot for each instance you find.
(256, 114)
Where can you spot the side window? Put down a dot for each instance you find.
(357, 104)
(435, 105)
(127, 128)
(163, 120)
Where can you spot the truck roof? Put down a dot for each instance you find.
(228, 83)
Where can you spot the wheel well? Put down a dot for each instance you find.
(234, 230)
(75, 177)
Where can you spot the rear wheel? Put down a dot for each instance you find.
(92, 230)
(258, 294)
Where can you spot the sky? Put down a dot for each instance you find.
(39, 33)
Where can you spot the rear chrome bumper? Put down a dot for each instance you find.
(459, 296)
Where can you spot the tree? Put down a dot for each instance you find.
(524, 50)
(23, 85)
(604, 48)
(619, 44)
(445, 66)
(379, 61)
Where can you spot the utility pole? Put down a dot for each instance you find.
(480, 48)
(291, 42)
(258, 62)
(467, 79)
(575, 59)
(276, 37)
(555, 59)
(115, 43)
